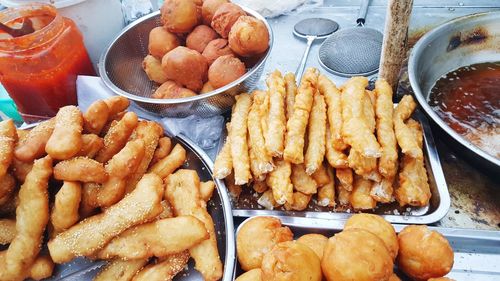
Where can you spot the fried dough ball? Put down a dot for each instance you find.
(179, 16)
(424, 253)
(248, 37)
(257, 237)
(209, 8)
(207, 87)
(171, 90)
(215, 49)
(291, 261)
(152, 67)
(161, 42)
(356, 254)
(224, 18)
(199, 38)
(252, 275)
(378, 226)
(225, 70)
(186, 67)
(316, 242)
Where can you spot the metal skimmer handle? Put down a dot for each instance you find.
(363, 9)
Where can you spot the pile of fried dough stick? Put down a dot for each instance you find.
(104, 185)
(342, 144)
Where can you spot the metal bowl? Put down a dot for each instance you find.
(460, 42)
(121, 70)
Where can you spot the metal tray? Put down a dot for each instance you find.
(218, 207)
(477, 252)
(246, 205)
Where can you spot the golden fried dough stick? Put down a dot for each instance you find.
(336, 158)
(388, 163)
(21, 134)
(297, 124)
(42, 268)
(363, 166)
(80, 169)
(33, 145)
(32, 215)
(275, 142)
(160, 238)
(182, 191)
(95, 117)
(206, 190)
(224, 162)
(355, 129)
(238, 138)
(300, 202)
(165, 269)
(280, 183)
(65, 211)
(20, 169)
(260, 186)
(291, 91)
(404, 135)
(167, 165)
(117, 136)
(7, 231)
(360, 198)
(267, 201)
(382, 191)
(88, 202)
(120, 270)
(369, 111)
(66, 139)
(264, 113)
(301, 180)
(315, 152)
(326, 193)
(234, 189)
(321, 176)
(91, 234)
(260, 160)
(116, 105)
(163, 149)
(8, 138)
(345, 177)
(333, 99)
(91, 144)
(7, 186)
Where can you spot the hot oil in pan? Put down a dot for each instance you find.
(468, 100)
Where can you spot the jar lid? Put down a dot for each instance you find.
(57, 3)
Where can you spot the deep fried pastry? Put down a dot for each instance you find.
(42, 268)
(315, 152)
(260, 186)
(161, 41)
(276, 116)
(224, 162)
(20, 169)
(165, 269)
(369, 111)
(224, 18)
(249, 36)
(167, 165)
(404, 135)
(95, 117)
(333, 101)
(8, 138)
(33, 145)
(80, 169)
(163, 149)
(360, 198)
(335, 158)
(291, 91)
(116, 105)
(251, 275)
(238, 138)
(224, 70)
(88, 202)
(326, 193)
(345, 178)
(362, 165)
(388, 163)
(382, 191)
(179, 16)
(260, 160)
(234, 189)
(302, 181)
(206, 190)
(91, 144)
(117, 136)
(316, 242)
(321, 176)
(66, 139)
(120, 270)
(7, 186)
(65, 211)
(186, 67)
(300, 202)
(153, 69)
(209, 8)
(216, 49)
(267, 201)
(280, 183)
(7, 231)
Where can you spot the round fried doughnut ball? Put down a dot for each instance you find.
(207, 87)
(252, 275)
(225, 70)
(248, 37)
(423, 253)
(378, 226)
(161, 42)
(216, 48)
(179, 16)
(291, 261)
(257, 237)
(356, 254)
(186, 67)
(316, 242)
(199, 38)
(224, 18)
(209, 8)
(171, 90)
(152, 67)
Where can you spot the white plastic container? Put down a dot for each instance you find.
(98, 20)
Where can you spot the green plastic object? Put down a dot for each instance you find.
(7, 105)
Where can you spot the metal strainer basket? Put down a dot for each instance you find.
(120, 67)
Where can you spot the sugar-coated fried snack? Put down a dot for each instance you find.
(382, 191)
(65, 211)
(360, 198)
(95, 117)
(297, 124)
(345, 177)
(42, 268)
(355, 129)
(388, 163)
(117, 136)
(404, 135)
(206, 190)
(90, 235)
(302, 181)
(160, 238)
(291, 91)
(238, 138)
(22, 134)
(315, 152)
(362, 165)
(32, 215)
(300, 202)
(234, 189)
(223, 164)
(316, 242)
(80, 169)
(167, 165)
(33, 145)
(8, 138)
(88, 202)
(267, 201)
(150, 133)
(116, 105)
(120, 270)
(333, 99)
(7, 186)
(20, 169)
(260, 160)
(336, 158)
(182, 191)
(321, 176)
(163, 149)
(369, 111)
(276, 118)
(260, 186)
(251, 275)
(66, 139)
(91, 144)
(326, 193)
(279, 180)
(165, 269)
(7, 231)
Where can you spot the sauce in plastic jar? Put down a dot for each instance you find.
(39, 69)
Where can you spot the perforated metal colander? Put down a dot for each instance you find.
(121, 70)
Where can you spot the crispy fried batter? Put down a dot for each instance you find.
(95, 117)
(291, 91)
(238, 138)
(167, 165)
(260, 160)
(224, 162)
(117, 136)
(404, 135)
(80, 169)
(65, 211)
(8, 138)
(33, 145)
(66, 139)
(280, 183)
(302, 181)
(315, 152)
(360, 198)
(326, 193)
(120, 270)
(277, 117)
(165, 269)
(333, 99)
(388, 163)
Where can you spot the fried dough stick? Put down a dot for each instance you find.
(95, 117)
(223, 164)
(326, 193)
(238, 138)
(91, 234)
(333, 99)
(388, 162)
(116, 105)
(315, 152)
(117, 136)
(297, 124)
(182, 191)
(120, 270)
(32, 215)
(300, 202)
(404, 135)
(80, 169)
(33, 145)
(91, 144)
(163, 149)
(65, 211)
(66, 139)
(165, 269)
(345, 187)
(277, 117)
(291, 91)
(302, 181)
(336, 158)
(260, 160)
(360, 198)
(280, 183)
(8, 138)
(167, 165)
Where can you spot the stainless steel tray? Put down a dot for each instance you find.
(246, 205)
(477, 252)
